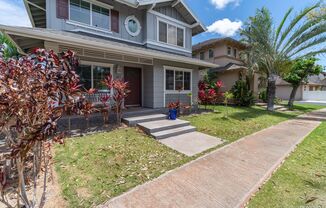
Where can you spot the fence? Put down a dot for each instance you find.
(314, 95)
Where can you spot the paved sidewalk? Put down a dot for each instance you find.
(226, 177)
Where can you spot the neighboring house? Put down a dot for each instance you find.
(305, 91)
(226, 53)
(148, 43)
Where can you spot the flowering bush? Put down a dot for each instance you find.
(35, 92)
(208, 92)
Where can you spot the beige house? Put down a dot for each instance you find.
(315, 83)
(226, 53)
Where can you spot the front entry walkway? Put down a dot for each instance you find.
(226, 177)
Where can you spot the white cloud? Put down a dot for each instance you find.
(225, 27)
(13, 13)
(220, 4)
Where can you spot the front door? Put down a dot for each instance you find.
(133, 77)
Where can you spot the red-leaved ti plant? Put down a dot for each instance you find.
(36, 90)
(120, 92)
(208, 93)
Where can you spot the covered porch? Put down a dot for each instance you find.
(155, 77)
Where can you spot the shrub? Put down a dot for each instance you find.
(242, 94)
(36, 90)
(263, 96)
(208, 92)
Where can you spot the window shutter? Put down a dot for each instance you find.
(62, 9)
(114, 21)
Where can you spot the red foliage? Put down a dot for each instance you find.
(208, 93)
(174, 105)
(35, 92)
(219, 84)
(120, 92)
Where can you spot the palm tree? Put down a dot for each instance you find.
(273, 49)
(9, 49)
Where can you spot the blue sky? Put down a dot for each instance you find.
(222, 17)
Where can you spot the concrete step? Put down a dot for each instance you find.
(162, 125)
(141, 112)
(173, 132)
(133, 121)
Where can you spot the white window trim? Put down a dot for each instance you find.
(173, 24)
(176, 69)
(93, 64)
(90, 26)
(132, 17)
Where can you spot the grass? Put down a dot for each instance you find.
(93, 169)
(242, 121)
(301, 181)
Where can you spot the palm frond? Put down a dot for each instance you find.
(279, 28)
(304, 37)
(294, 22)
(313, 53)
(302, 29)
(310, 44)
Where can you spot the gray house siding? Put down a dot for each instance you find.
(159, 92)
(124, 11)
(152, 36)
(171, 12)
(148, 83)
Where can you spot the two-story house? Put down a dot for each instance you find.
(146, 42)
(226, 53)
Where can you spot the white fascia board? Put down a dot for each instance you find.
(97, 45)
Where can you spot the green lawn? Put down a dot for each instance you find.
(92, 169)
(95, 168)
(241, 121)
(301, 181)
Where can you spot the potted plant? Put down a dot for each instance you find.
(173, 110)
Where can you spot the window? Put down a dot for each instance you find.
(100, 17)
(177, 80)
(235, 53)
(91, 76)
(170, 34)
(99, 74)
(90, 14)
(85, 75)
(202, 55)
(169, 79)
(211, 53)
(80, 11)
(132, 25)
(229, 51)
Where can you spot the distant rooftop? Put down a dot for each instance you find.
(209, 43)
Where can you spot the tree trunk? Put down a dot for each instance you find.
(271, 90)
(292, 96)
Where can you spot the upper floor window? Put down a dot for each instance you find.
(132, 25)
(229, 51)
(90, 14)
(211, 53)
(171, 34)
(202, 55)
(235, 53)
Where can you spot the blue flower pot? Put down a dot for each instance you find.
(173, 114)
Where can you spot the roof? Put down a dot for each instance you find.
(36, 10)
(98, 43)
(228, 67)
(211, 42)
(312, 80)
